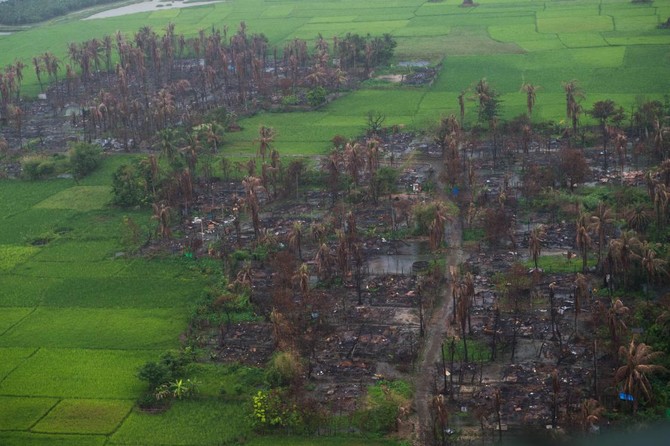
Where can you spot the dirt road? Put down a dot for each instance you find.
(436, 330)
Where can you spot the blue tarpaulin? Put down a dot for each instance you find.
(625, 396)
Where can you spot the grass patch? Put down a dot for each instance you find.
(78, 373)
(78, 198)
(10, 316)
(32, 439)
(76, 251)
(10, 256)
(228, 381)
(22, 291)
(11, 358)
(128, 290)
(22, 413)
(202, 422)
(103, 269)
(477, 350)
(97, 328)
(473, 234)
(559, 264)
(321, 441)
(83, 416)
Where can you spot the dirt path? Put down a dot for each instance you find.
(436, 329)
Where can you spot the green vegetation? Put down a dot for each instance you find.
(81, 321)
(21, 12)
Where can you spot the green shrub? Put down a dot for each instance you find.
(382, 406)
(316, 96)
(284, 368)
(171, 367)
(84, 159)
(35, 167)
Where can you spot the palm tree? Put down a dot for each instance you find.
(535, 243)
(342, 254)
(437, 226)
(555, 388)
(605, 112)
(162, 214)
(638, 361)
(531, 92)
(251, 201)
(353, 160)
(620, 145)
(323, 262)
(37, 62)
(661, 199)
(623, 251)
(583, 240)
(266, 136)
(591, 411)
(616, 323)
(301, 276)
(441, 417)
(319, 232)
(638, 218)
(652, 266)
(573, 93)
(600, 222)
(581, 292)
(295, 238)
(461, 105)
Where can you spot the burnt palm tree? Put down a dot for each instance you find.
(251, 201)
(620, 146)
(600, 222)
(301, 277)
(531, 93)
(606, 112)
(437, 226)
(590, 412)
(573, 94)
(623, 251)
(319, 232)
(581, 292)
(555, 388)
(37, 63)
(161, 213)
(638, 218)
(461, 106)
(652, 265)
(661, 198)
(583, 240)
(616, 321)
(638, 361)
(323, 262)
(295, 238)
(266, 136)
(535, 244)
(353, 160)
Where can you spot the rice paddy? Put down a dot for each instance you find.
(78, 317)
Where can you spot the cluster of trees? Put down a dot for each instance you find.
(22, 12)
(132, 87)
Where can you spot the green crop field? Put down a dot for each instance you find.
(79, 317)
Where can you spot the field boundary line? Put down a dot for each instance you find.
(30, 429)
(18, 322)
(17, 366)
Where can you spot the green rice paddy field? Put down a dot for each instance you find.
(613, 48)
(77, 320)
